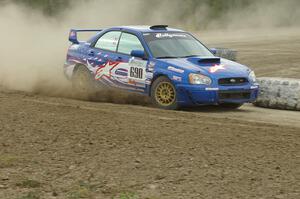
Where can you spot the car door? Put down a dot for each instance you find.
(102, 56)
(114, 66)
(131, 69)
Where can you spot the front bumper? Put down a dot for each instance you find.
(201, 95)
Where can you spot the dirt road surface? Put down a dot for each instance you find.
(54, 147)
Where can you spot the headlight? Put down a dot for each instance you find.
(252, 76)
(199, 79)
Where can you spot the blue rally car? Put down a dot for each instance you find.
(171, 66)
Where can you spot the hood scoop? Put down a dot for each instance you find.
(209, 60)
(205, 60)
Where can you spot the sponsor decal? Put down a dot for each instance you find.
(122, 72)
(212, 89)
(176, 78)
(136, 72)
(131, 81)
(176, 70)
(131, 75)
(137, 69)
(105, 70)
(149, 75)
(170, 35)
(215, 68)
(151, 66)
(136, 83)
(253, 87)
(137, 62)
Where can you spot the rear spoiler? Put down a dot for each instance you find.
(73, 34)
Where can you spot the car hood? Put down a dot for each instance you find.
(211, 66)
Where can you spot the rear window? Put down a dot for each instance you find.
(109, 41)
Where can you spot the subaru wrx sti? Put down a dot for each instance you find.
(170, 66)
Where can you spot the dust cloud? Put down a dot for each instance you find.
(33, 45)
(32, 50)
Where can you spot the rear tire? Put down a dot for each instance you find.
(163, 94)
(230, 105)
(83, 83)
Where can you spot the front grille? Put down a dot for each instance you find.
(225, 95)
(232, 81)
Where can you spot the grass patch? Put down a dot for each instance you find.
(82, 190)
(7, 161)
(30, 195)
(127, 195)
(29, 184)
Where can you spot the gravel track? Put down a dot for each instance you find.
(58, 148)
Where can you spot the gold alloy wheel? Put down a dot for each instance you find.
(165, 94)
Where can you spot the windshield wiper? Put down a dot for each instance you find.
(166, 57)
(190, 56)
(172, 57)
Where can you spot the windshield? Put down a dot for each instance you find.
(175, 45)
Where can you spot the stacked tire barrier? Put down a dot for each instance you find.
(279, 93)
(226, 53)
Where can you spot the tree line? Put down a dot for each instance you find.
(52, 7)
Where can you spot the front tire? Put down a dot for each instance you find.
(163, 94)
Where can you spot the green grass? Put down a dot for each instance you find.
(81, 190)
(7, 161)
(30, 195)
(29, 184)
(127, 195)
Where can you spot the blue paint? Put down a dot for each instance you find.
(176, 69)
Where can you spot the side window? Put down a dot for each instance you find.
(109, 41)
(128, 43)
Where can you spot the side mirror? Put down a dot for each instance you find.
(138, 53)
(213, 51)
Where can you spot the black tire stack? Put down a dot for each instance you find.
(279, 93)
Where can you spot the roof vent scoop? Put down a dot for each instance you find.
(159, 27)
(209, 60)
